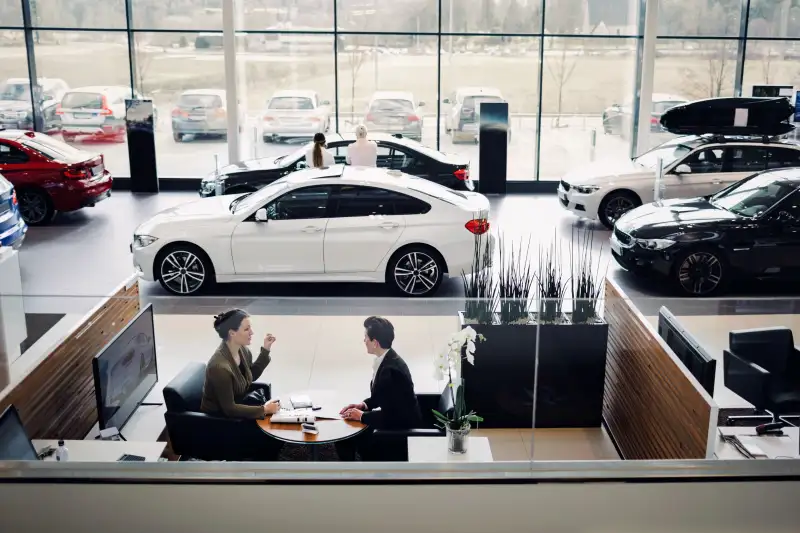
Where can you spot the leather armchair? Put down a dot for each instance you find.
(202, 436)
(392, 444)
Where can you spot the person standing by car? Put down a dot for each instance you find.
(317, 155)
(363, 152)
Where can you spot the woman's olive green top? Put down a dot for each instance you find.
(227, 383)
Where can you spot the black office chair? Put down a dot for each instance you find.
(202, 436)
(392, 444)
(763, 367)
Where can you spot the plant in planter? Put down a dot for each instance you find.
(480, 287)
(572, 345)
(515, 282)
(457, 424)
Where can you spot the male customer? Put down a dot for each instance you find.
(392, 403)
(363, 152)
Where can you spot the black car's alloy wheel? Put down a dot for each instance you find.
(183, 272)
(700, 273)
(35, 207)
(415, 272)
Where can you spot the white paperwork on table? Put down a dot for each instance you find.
(774, 446)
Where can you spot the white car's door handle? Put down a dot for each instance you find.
(312, 229)
(388, 225)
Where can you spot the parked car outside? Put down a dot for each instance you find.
(395, 112)
(295, 115)
(396, 153)
(16, 107)
(462, 114)
(96, 112)
(344, 224)
(693, 166)
(617, 119)
(51, 176)
(749, 231)
(12, 226)
(200, 112)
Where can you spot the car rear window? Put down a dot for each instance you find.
(53, 149)
(663, 107)
(472, 101)
(392, 106)
(291, 103)
(15, 91)
(82, 101)
(200, 100)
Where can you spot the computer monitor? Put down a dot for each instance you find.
(701, 365)
(125, 371)
(15, 445)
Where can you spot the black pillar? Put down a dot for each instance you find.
(493, 148)
(139, 122)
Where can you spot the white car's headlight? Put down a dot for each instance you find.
(585, 189)
(141, 241)
(655, 244)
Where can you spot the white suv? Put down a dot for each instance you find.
(95, 111)
(693, 166)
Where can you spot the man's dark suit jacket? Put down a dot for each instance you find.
(393, 392)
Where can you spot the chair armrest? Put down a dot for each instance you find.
(266, 386)
(747, 379)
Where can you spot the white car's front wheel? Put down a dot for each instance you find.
(415, 272)
(616, 204)
(184, 270)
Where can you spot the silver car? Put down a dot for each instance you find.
(200, 112)
(295, 115)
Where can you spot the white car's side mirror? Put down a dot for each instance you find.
(261, 215)
(683, 169)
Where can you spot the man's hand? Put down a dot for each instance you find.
(360, 406)
(353, 414)
(268, 340)
(272, 407)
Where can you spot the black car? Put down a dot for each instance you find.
(750, 230)
(397, 153)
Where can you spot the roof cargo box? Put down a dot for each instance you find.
(730, 116)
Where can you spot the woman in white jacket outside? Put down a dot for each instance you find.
(363, 152)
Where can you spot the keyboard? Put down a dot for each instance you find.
(128, 457)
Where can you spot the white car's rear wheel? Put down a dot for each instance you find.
(185, 270)
(415, 272)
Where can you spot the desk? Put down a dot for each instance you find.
(434, 450)
(330, 431)
(774, 447)
(104, 451)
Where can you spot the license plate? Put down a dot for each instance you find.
(615, 246)
(196, 117)
(470, 127)
(82, 115)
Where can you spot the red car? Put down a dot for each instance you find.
(50, 175)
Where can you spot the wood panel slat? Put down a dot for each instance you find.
(653, 408)
(56, 400)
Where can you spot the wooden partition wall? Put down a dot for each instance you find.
(56, 399)
(653, 407)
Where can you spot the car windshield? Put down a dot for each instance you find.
(291, 103)
(15, 91)
(82, 101)
(200, 100)
(473, 101)
(252, 200)
(53, 149)
(668, 154)
(755, 195)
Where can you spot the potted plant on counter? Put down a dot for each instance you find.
(458, 422)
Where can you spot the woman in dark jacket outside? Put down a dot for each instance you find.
(229, 376)
(231, 370)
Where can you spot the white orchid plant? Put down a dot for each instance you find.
(448, 366)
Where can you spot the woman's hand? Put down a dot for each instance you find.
(360, 406)
(272, 407)
(268, 340)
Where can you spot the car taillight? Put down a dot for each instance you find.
(59, 111)
(370, 118)
(76, 173)
(462, 174)
(653, 121)
(221, 112)
(478, 226)
(178, 112)
(268, 118)
(314, 119)
(13, 197)
(413, 118)
(106, 110)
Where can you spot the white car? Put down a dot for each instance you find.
(462, 116)
(341, 223)
(95, 112)
(693, 166)
(295, 115)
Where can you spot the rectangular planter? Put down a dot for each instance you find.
(572, 365)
